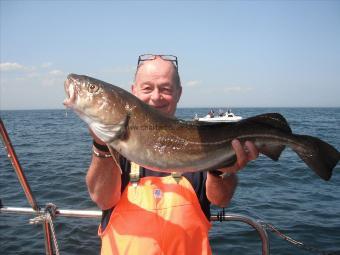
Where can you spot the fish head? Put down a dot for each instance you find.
(93, 100)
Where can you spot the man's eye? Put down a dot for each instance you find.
(167, 91)
(147, 89)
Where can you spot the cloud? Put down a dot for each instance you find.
(42, 75)
(14, 66)
(56, 72)
(53, 78)
(192, 83)
(46, 64)
(49, 81)
(33, 75)
(239, 89)
(8, 66)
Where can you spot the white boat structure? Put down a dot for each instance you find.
(220, 117)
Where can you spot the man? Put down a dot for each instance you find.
(158, 213)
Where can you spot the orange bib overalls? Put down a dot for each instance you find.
(160, 216)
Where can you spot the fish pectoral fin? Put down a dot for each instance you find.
(272, 151)
(110, 132)
(115, 157)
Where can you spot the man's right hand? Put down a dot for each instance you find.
(103, 179)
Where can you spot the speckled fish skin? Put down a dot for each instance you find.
(144, 135)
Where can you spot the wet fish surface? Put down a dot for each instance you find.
(158, 142)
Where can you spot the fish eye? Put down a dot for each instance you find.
(92, 88)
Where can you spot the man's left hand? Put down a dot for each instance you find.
(244, 154)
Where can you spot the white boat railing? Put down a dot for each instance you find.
(41, 218)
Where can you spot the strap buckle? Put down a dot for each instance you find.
(134, 173)
(177, 176)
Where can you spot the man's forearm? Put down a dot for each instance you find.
(220, 191)
(103, 181)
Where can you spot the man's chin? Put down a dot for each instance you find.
(164, 110)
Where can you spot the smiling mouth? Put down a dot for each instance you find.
(159, 106)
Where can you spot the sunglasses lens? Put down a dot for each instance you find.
(146, 57)
(169, 57)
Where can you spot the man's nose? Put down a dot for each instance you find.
(156, 95)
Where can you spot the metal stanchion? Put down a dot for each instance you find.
(17, 167)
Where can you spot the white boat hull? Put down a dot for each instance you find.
(221, 119)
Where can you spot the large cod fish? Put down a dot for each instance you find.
(144, 135)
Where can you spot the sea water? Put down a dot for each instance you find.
(54, 149)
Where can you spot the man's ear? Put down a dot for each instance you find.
(179, 93)
(133, 89)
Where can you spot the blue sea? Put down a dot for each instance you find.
(54, 149)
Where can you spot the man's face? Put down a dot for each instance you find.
(155, 85)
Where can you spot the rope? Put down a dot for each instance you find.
(48, 215)
(54, 236)
(299, 244)
(272, 228)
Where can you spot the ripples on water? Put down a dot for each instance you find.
(55, 152)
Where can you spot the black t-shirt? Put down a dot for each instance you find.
(196, 179)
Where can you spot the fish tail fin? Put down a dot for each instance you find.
(318, 155)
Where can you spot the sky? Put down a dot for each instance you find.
(230, 53)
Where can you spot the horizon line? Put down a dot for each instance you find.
(182, 107)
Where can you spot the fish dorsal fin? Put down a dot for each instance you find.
(275, 120)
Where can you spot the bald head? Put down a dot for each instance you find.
(161, 67)
(157, 83)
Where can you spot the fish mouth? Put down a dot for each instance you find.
(69, 86)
